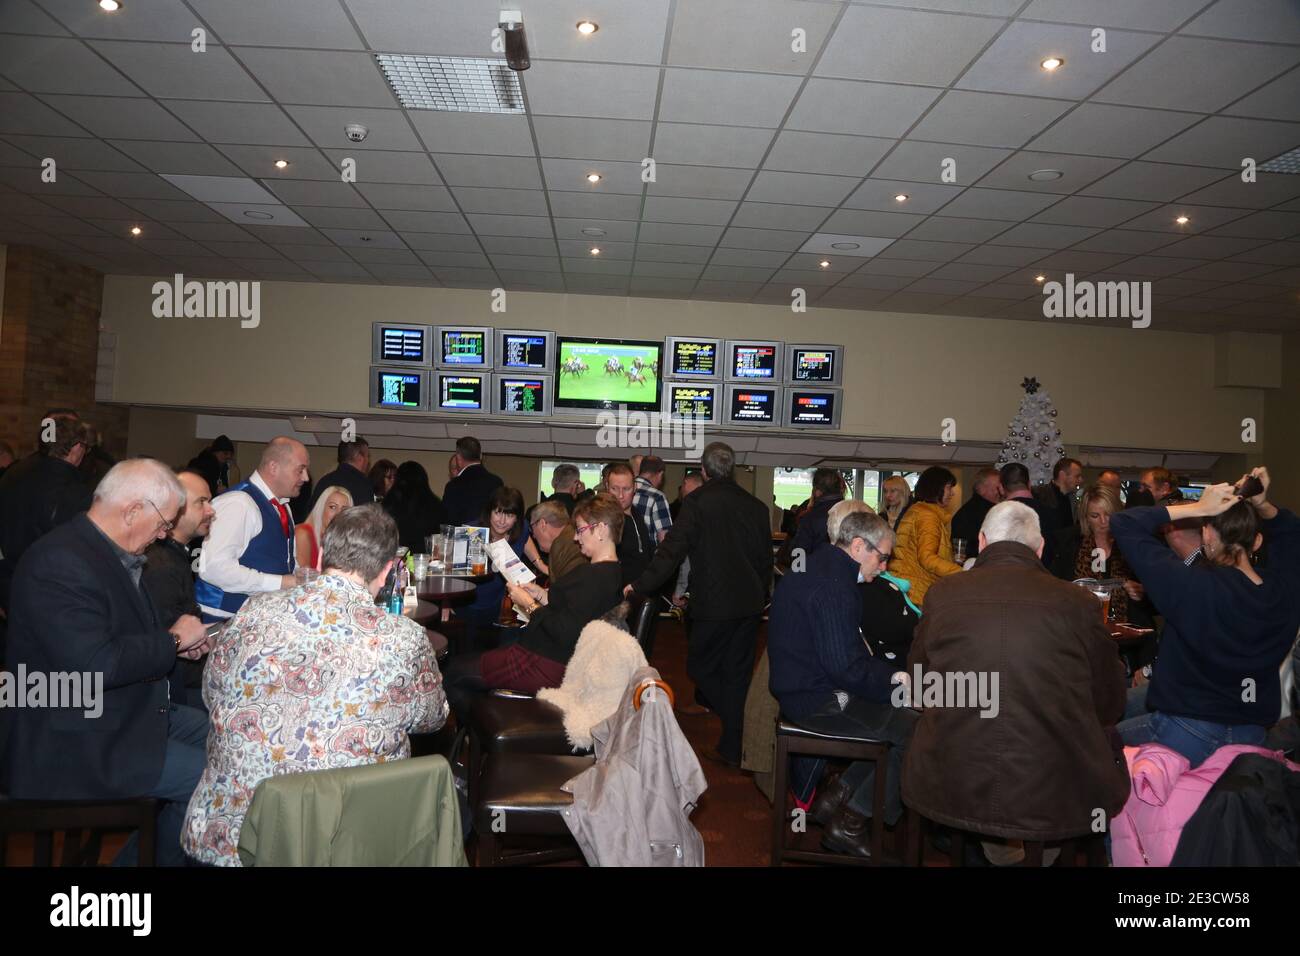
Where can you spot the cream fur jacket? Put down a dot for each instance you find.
(594, 681)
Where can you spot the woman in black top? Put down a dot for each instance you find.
(413, 505)
(555, 617)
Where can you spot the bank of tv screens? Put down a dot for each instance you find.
(458, 346)
(398, 344)
(753, 361)
(460, 392)
(814, 364)
(400, 388)
(521, 393)
(752, 405)
(812, 407)
(692, 357)
(607, 373)
(692, 402)
(524, 351)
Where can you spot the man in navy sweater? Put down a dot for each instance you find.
(826, 679)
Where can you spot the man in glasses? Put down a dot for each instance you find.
(827, 680)
(78, 610)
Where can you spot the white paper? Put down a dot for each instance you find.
(508, 563)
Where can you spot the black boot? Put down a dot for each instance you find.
(849, 833)
(831, 795)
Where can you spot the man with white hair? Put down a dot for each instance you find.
(251, 547)
(1019, 679)
(78, 610)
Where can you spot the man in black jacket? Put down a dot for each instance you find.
(1057, 496)
(725, 532)
(467, 494)
(78, 608)
(810, 533)
(1015, 485)
(352, 474)
(966, 522)
(213, 463)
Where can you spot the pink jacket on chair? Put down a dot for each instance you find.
(1164, 797)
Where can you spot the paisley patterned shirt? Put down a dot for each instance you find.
(313, 678)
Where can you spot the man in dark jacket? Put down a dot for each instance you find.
(810, 533)
(352, 474)
(826, 679)
(213, 463)
(468, 493)
(1015, 487)
(970, 516)
(726, 534)
(1032, 760)
(78, 608)
(1057, 496)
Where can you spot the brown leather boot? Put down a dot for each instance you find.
(848, 832)
(831, 795)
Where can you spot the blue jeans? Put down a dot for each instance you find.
(187, 737)
(1194, 739)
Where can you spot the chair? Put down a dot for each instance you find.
(44, 817)
(643, 620)
(520, 795)
(508, 722)
(792, 739)
(1093, 843)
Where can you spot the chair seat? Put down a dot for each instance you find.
(518, 725)
(785, 728)
(526, 789)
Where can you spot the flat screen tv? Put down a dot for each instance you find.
(753, 360)
(524, 350)
(396, 343)
(461, 392)
(606, 373)
(522, 393)
(693, 357)
(692, 402)
(813, 407)
(462, 346)
(752, 405)
(814, 364)
(399, 388)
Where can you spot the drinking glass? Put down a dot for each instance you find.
(1102, 593)
(305, 575)
(420, 566)
(959, 550)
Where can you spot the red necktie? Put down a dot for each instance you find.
(284, 516)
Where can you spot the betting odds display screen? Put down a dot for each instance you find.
(694, 358)
(401, 344)
(754, 362)
(812, 365)
(460, 393)
(522, 395)
(691, 402)
(523, 350)
(399, 390)
(812, 408)
(466, 347)
(752, 406)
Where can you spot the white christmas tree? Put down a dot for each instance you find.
(1033, 437)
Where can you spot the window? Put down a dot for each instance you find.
(793, 486)
(876, 479)
(589, 472)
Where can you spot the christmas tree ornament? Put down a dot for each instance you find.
(1032, 434)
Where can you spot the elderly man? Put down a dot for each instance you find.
(553, 537)
(1019, 680)
(79, 609)
(251, 548)
(1160, 485)
(970, 516)
(828, 681)
(315, 679)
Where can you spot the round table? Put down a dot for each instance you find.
(445, 591)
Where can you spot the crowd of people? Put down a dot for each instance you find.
(235, 624)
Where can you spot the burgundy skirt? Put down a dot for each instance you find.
(516, 668)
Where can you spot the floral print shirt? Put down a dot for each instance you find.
(316, 677)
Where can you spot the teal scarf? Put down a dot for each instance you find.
(903, 586)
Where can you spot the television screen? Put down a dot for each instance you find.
(813, 407)
(693, 358)
(748, 405)
(819, 364)
(403, 344)
(397, 389)
(691, 401)
(753, 361)
(525, 350)
(460, 393)
(463, 347)
(523, 394)
(606, 373)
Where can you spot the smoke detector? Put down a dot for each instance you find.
(356, 132)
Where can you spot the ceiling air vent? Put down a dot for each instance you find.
(1288, 162)
(452, 84)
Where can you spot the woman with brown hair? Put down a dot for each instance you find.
(382, 475)
(923, 545)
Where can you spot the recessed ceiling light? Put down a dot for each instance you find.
(365, 238)
(135, 230)
(846, 245)
(593, 177)
(901, 197)
(587, 28)
(281, 164)
(258, 214)
(1182, 220)
(825, 264)
(594, 231)
(595, 250)
(110, 6)
(1052, 63)
(1045, 175)
(1040, 278)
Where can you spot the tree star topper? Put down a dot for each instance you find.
(1030, 385)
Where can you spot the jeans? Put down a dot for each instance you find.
(1136, 703)
(876, 721)
(187, 736)
(1194, 739)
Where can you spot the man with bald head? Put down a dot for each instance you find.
(1110, 478)
(250, 549)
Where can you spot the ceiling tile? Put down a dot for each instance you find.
(28, 178)
(863, 109)
(654, 252)
(499, 261)
(629, 33)
(23, 113)
(389, 166)
(517, 246)
(114, 117)
(904, 46)
(926, 251)
(575, 205)
(772, 240)
(326, 218)
(1160, 15)
(651, 285)
(571, 137)
(1262, 20)
(800, 189)
(1094, 211)
(406, 197)
(675, 232)
(193, 159)
(90, 207)
(1003, 255)
(1203, 218)
(74, 153)
(60, 65)
(677, 270)
(304, 23)
(1223, 141)
(314, 193)
(1004, 204)
(592, 89)
(406, 221)
(176, 71)
(259, 161)
(857, 222)
(896, 267)
(132, 185)
(1264, 225)
(319, 77)
(726, 99)
(1269, 189)
(1275, 100)
(579, 249)
(440, 243)
(615, 229)
(325, 125)
(570, 175)
(237, 122)
(747, 273)
(704, 182)
(987, 119)
(880, 195)
(167, 210)
(692, 144)
(943, 228)
(1011, 64)
(1043, 236)
(971, 271)
(1096, 129)
(1186, 73)
(1151, 266)
(23, 16)
(767, 259)
(866, 280)
(1159, 182)
(1080, 263)
(948, 287)
(1124, 241)
(698, 26)
(593, 266)
(700, 211)
(915, 161)
(219, 232)
(516, 172)
(1078, 172)
(536, 227)
(826, 153)
(761, 215)
(489, 134)
(1228, 271)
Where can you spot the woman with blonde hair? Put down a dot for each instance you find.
(1077, 553)
(894, 497)
(308, 535)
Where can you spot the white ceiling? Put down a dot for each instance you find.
(758, 149)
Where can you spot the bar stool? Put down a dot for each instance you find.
(1093, 844)
(792, 739)
(44, 817)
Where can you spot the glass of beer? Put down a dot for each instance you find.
(959, 550)
(1102, 593)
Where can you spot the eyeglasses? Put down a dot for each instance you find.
(582, 528)
(884, 558)
(168, 526)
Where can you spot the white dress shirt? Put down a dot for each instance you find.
(238, 520)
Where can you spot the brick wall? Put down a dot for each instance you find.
(49, 340)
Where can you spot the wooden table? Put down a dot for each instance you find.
(1127, 633)
(445, 591)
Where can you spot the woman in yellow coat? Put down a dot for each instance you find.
(923, 545)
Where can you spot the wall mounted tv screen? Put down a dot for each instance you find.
(692, 401)
(753, 361)
(463, 347)
(814, 364)
(813, 407)
(753, 405)
(607, 373)
(400, 343)
(524, 350)
(691, 357)
(461, 392)
(398, 388)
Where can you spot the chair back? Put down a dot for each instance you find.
(642, 620)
